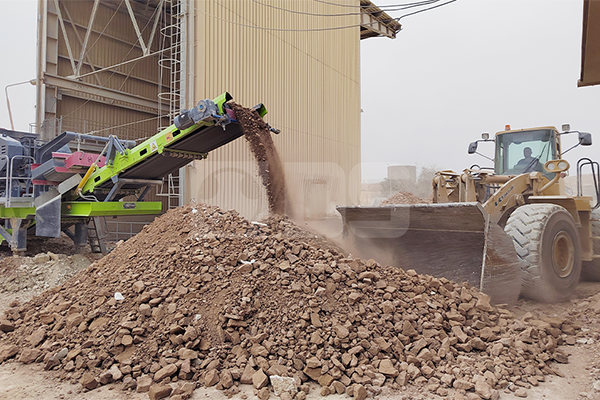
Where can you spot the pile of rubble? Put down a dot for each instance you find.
(24, 277)
(203, 295)
(404, 198)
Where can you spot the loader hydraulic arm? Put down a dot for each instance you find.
(511, 194)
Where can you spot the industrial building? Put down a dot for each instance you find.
(126, 67)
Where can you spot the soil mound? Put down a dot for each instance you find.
(24, 277)
(404, 198)
(203, 295)
(267, 158)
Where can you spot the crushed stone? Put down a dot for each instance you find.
(214, 299)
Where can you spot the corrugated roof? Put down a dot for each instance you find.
(376, 23)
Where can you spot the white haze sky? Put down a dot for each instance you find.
(470, 67)
(452, 73)
(18, 38)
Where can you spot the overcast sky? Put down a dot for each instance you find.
(17, 46)
(452, 73)
(471, 67)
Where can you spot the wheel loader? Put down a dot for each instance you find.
(514, 229)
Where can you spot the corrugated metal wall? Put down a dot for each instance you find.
(112, 41)
(309, 82)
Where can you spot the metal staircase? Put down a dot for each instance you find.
(171, 192)
(97, 234)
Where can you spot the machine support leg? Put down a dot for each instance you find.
(80, 238)
(20, 235)
(17, 238)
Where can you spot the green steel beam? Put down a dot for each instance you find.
(222, 99)
(17, 212)
(151, 146)
(155, 144)
(99, 209)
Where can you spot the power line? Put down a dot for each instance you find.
(324, 29)
(123, 125)
(289, 30)
(397, 8)
(426, 9)
(384, 8)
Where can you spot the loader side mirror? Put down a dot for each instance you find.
(585, 138)
(472, 147)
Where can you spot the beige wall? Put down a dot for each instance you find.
(309, 82)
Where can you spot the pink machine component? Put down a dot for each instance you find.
(74, 163)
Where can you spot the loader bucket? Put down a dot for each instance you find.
(451, 240)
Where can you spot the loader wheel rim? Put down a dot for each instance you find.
(563, 254)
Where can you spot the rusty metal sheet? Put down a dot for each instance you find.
(590, 44)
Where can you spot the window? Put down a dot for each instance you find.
(524, 151)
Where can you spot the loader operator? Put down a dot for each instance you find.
(529, 163)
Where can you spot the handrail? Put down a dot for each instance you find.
(10, 177)
(595, 167)
(5, 178)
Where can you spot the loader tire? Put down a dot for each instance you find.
(590, 270)
(546, 238)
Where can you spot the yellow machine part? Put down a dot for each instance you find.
(457, 241)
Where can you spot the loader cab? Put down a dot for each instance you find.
(525, 151)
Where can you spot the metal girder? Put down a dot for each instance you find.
(146, 48)
(17, 212)
(155, 25)
(114, 72)
(370, 23)
(66, 37)
(98, 209)
(142, 103)
(17, 237)
(143, 8)
(78, 36)
(107, 35)
(125, 62)
(136, 28)
(87, 36)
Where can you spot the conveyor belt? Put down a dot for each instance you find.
(158, 166)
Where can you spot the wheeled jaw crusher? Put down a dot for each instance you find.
(59, 186)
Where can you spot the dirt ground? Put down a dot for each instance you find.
(47, 263)
(24, 277)
(580, 377)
